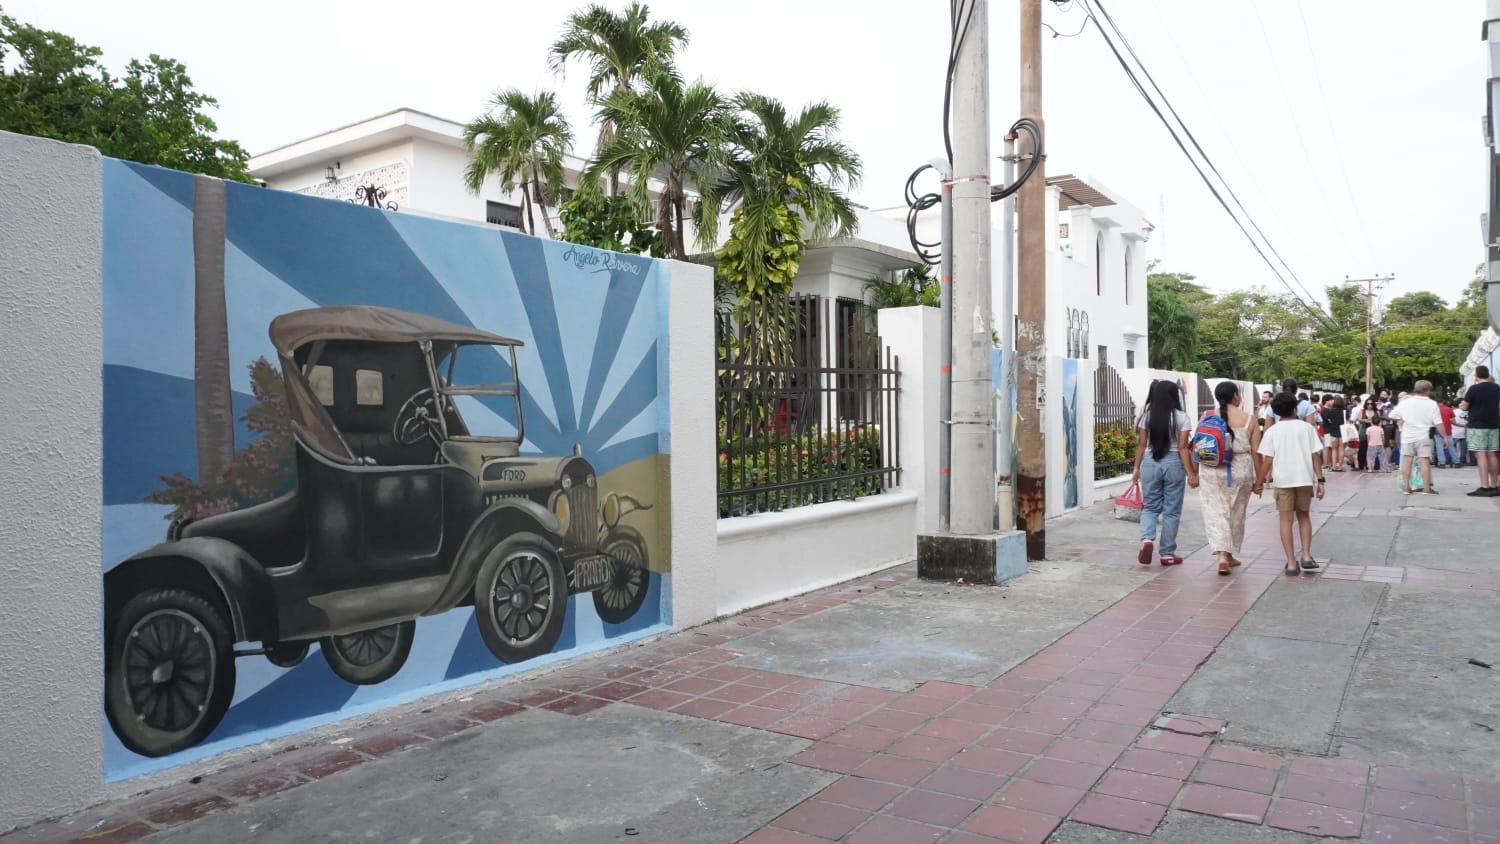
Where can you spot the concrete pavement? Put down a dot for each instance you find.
(1093, 700)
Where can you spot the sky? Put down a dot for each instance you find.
(1350, 129)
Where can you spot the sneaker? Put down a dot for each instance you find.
(1144, 556)
(1482, 492)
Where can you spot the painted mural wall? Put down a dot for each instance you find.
(354, 456)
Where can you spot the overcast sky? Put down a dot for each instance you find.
(1351, 130)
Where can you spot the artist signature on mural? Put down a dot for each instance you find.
(583, 257)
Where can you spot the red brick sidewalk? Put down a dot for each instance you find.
(1076, 731)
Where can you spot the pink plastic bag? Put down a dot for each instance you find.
(1128, 504)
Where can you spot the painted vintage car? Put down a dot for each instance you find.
(399, 511)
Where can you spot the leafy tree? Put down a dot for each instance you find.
(1414, 308)
(1407, 353)
(786, 178)
(1172, 329)
(669, 131)
(608, 222)
(525, 144)
(621, 50)
(52, 86)
(262, 470)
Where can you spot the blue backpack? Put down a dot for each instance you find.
(1210, 444)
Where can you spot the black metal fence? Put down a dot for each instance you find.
(1114, 424)
(808, 406)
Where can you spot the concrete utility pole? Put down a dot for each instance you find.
(1031, 319)
(1370, 283)
(973, 417)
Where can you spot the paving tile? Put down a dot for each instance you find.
(1242, 777)
(1485, 793)
(1020, 741)
(1082, 750)
(972, 838)
(1340, 795)
(784, 700)
(732, 692)
(1137, 786)
(933, 808)
(883, 829)
(1190, 724)
(1054, 705)
(981, 714)
(1338, 770)
(865, 694)
(1015, 825)
(944, 691)
(1062, 772)
(964, 782)
(767, 679)
(659, 699)
(1077, 691)
(896, 769)
(1152, 699)
(1040, 722)
(1119, 813)
(1244, 806)
(954, 729)
(1161, 764)
(1486, 820)
(382, 744)
(537, 697)
(1017, 683)
(726, 673)
(1396, 831)
(752, 716)
(186, 806)
(839, 710)
(1432, 784)
(922, 705)
(817, 817)
(260, 784)
(931, 748)
(322, 765)
(493, 710)
(1241, 756)
(806, 726)
(1135, 716)
(860, 793)
(571, 705)
(1419, 808)
(865, 737)
(122, 832)
(705, 708)
(1105, 731)
(772, 835)
(1040, 797)
(991, 759)
(1166, 742)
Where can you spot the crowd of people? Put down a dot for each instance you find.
(1289, 441)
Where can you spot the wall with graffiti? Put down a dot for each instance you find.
(354, 456)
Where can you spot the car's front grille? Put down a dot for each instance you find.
(583, 504)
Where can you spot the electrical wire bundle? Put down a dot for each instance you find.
(961, 14)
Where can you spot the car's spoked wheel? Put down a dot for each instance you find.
(520, 598)
(171, 671)
(369, 656)
(622, 597)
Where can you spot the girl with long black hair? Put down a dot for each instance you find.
(1225, 491)
(1163, 464)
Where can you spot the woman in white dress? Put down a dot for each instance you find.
(1224, 503)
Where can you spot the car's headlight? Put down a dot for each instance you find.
(562, 511)
(590, 481)
(611, 510)
(567, 483)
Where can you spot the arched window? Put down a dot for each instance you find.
(1099, 264)
(1127, 272)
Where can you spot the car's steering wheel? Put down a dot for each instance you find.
(418, 418)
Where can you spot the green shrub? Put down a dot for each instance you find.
(819, 462)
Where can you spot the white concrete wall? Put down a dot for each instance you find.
(694, 471)
(51, 655)
(770, 556)
(914, 336)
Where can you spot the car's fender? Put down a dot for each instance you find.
(203, 563)
(507, 516)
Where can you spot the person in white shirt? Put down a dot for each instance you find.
(1417, 415)
(1295, 463)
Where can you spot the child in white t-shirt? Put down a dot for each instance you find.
(1295, 464)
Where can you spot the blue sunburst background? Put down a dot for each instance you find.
(593, 370)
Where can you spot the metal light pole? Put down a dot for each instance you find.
(1005, 457)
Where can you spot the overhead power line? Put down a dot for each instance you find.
(1313, 309)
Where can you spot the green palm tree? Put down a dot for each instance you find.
(671, 132)
(523, 140)
(621, 50)
(785, 178)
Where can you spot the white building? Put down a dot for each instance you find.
(1096, 271)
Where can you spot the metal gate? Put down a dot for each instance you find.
(1114, 424)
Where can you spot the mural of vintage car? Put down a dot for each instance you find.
(398, 512)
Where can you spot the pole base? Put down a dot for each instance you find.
(981, 558)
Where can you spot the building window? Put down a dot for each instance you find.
(502, 214)
(1099, 264)
(369, 388)
(1127, 273)
(1104, 356)
(1129, 359)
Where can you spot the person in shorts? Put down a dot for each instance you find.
(1417, 415)
(1294, 462)
(1375, 451)
(1482, 401)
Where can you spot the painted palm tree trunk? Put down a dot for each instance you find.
(213, 397)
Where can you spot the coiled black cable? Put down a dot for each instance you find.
(931, 253)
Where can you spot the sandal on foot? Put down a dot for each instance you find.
(1297, 572)
(1223, 569)
(1308, 565)
(1144, 555)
